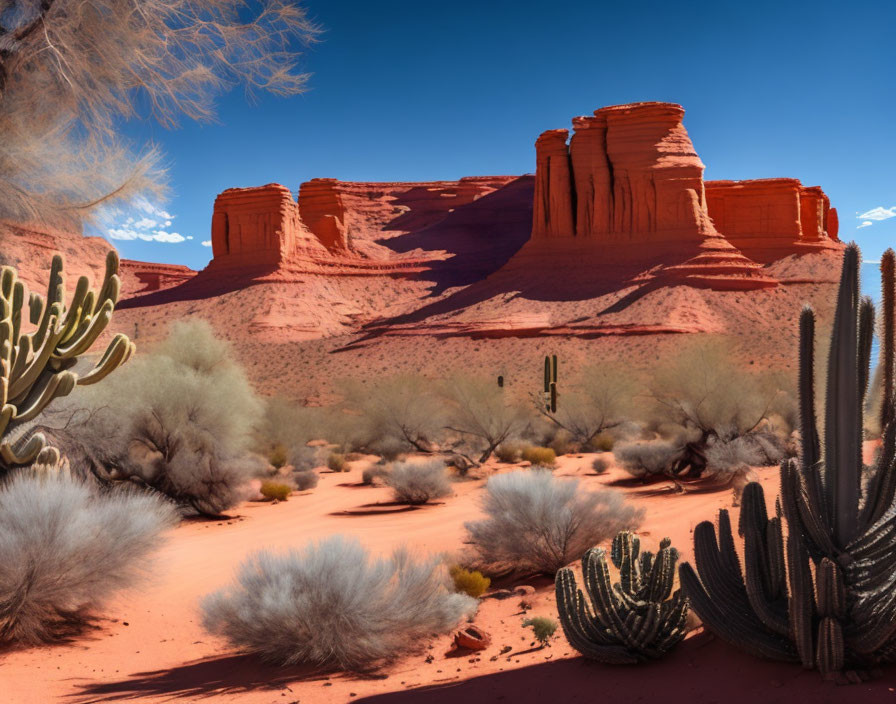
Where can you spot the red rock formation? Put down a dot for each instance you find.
(552, 214)
(768, 219)
(322, 211)
(636, 182)
(144, 277)
(258, 227)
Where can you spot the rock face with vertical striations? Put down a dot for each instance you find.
(323, 212)
(258, 227)
(631, 184)
(771, 218)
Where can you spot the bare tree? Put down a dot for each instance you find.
(599, 400)
(70, 70)
(482, 412)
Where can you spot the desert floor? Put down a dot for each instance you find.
(151, 647)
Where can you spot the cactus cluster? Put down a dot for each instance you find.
(550, 383)
(36, 367)
(826, 595)
(637, 619)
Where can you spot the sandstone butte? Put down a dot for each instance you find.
(615, 235)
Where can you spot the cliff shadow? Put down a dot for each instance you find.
(479, 236)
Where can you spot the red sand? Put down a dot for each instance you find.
(162, 654)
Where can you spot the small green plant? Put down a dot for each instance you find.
(508, 452)
(469, 582)
(601, 465)
(539, 456)
(275, 491)
(337, 462)
(543, 628)
(278, 456)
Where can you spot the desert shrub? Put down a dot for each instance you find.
(275, 491)
(704, 391)
(305, 479)
(645, 458)
(181, 420)
(418, 483)
(598, 399)
(278, 456)
(508, 452)
(538, 523)
(600, 465)
(65, 550)
(400, 412)
(539, 456)
(542, 627)
(603, 442)
(481, 413)
(563, 444)
(331, 604)
(471, 582)
(373, 473)
(304, 457)
(337, 462)
(723, 457)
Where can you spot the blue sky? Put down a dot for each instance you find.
(410, 90)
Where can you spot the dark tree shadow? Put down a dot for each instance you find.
(203, 678)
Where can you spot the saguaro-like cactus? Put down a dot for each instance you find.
(36, 367)
(636, 619)
(550, 383)
(828, 597)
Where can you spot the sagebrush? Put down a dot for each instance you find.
(417, 483)
(332, 604)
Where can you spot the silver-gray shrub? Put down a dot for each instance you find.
(331, 604)
(643, 458)
(66, 549)
(536, 522)
(417, 483)
(180, 419)
(305, 479)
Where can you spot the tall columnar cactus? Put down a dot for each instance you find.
(550, 383)
(827, 596)
(636, 619)
(36, 366)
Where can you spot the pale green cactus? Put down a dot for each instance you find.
(36, 367)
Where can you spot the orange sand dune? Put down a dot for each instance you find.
(151, 647)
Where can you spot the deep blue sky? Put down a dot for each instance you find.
(411, 90)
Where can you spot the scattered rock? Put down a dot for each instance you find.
(499, 594)
(524, 590)
(472, 638)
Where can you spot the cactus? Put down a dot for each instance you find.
(636, 619)
(36, 366)
(827, 598)
(550, 383)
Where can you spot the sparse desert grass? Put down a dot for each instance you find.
(65, 550)
(542, 627)
(374, 473)
(278, 456)
(538, 523)
(275, 491)
(603, 442)
(508, 452)
(305, 479)
(336, 462)
(332, 604)
(418, 483)
(601, 465)
(471, 582)
(539, 456)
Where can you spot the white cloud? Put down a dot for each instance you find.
(865, 223)
(143, 220)
(878, 213)
(206, 243)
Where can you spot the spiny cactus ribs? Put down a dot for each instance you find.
(36, 367)
(827, 600)
(636, 619)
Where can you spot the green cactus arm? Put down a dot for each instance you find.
(25, 453)
(50, 387)
(843, 409)
(811, 445)
(118, 353)
(888, 336)
(866, 337)
(830, 655)
(801, 600)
